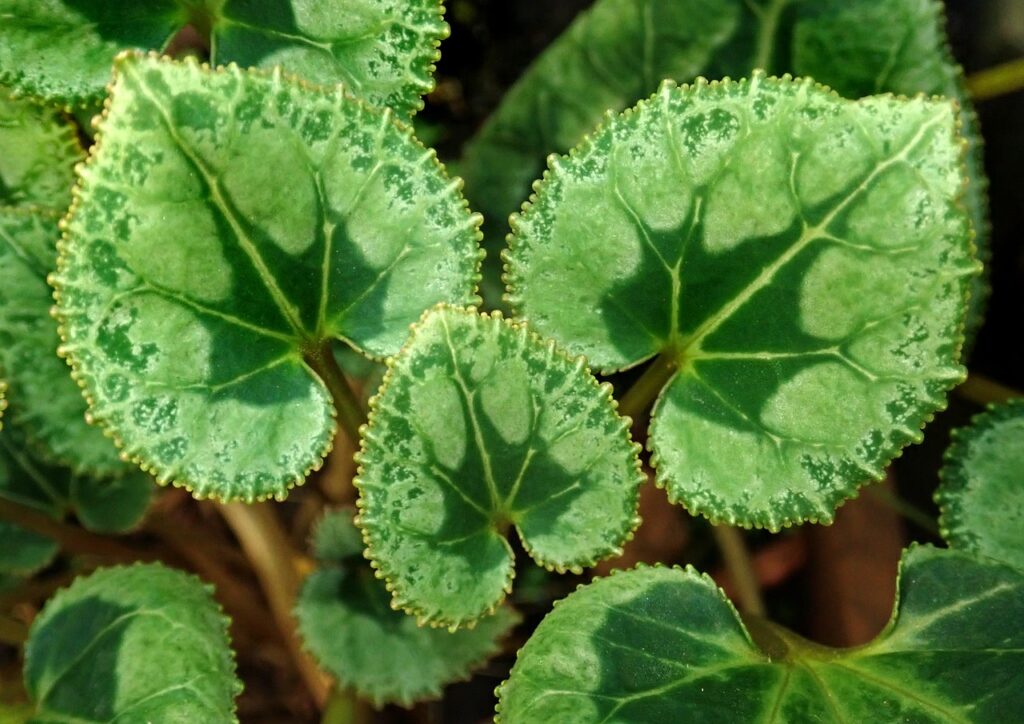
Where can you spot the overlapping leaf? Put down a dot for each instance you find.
(982, 493)
(383, 50)
(620, 50)
(144, 643)
(346, 621)
(229, 226)
(480, 426)
(658, 644)
(799, 262)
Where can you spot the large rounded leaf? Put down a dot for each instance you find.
(347, 623)
(144, 643)
(982, 493)
(229, 226)
(799, 262)
(658, 644)
(481, 426)
(383, 50)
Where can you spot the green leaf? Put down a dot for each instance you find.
(110, 505)
(46, 402)
(799, 262)
(38, 150)
(140, 643)
(23, 552)
(981, 498)
(347, 623)
(336, 538)
(658, 644)
(619, 51)
(383, 50)
(481, 426)
(229, 226)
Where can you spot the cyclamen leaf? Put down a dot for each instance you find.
(48, 405)
(480, 426)
(144, 643)
(799, 261)
(981, 498)
(620, 50)
(23, 552)
(657, 644)
(383, 50)
(229, 226)
(38, 151)
(347, 623)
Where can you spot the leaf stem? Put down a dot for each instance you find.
(741, 569)
(645, 390)
(984, 391)
(911, 512)
(12, 631)
(268, 548)
(769, 20)
(351, 415)
(999, 80)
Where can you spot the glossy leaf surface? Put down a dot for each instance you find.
(346, 621)
(657, 644)
(230, 225)
(981, 498)
(620, 50)
(383, 50)
(38, 150)
(481, 426)
(144, 643)
(801, 259)
(47, 404)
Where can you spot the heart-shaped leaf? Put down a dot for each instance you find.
(48, 405)
(658, 644)
(230, 226)
(347, 623)
(23, 552)
(481, 426)
(382, 50)
(798, 262)
(38, 151)
(981, 498)
(144, 643)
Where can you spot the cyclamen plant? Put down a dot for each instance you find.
(790, 260)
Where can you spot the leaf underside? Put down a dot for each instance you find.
(144, 643)
(478, 427)
(383, 50)
(346, 621)
(620, 50)
(981, 498)
(803, 259)
(229, 226)
(657, 644)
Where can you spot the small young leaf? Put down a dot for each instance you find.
(480, 426)
(47, 404)
(23, 552)
(658, 644)
(347, 623)
(383, 50)
(336, 539)
(981, 498)
(800, 260)
(38, 151)
(144, 643)
(230, 224)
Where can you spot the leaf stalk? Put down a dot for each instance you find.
(351, 415)
(645, 390)
(740, 568)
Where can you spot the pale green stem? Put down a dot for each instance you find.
(351, 415)
(645, 390)
(997, 81)
(983, 391)
(769, 18)
(911, 512)
(740, 568)
(344, 707)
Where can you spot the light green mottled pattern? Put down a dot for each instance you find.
(47, 404)
(803, 259)
(347, 623)
(481, 426)
(665, 645)
(383, 50)
(137, 644)
(230, 225)
(619, 51)
(38, 149)
(981, 498)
